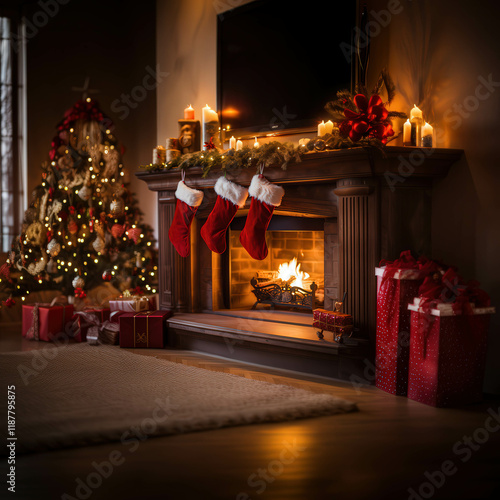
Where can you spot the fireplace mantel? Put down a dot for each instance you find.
(377, 205)
(329, 166)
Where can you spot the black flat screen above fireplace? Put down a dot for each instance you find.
(280, 62)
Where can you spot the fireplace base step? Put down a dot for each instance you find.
(272, 338)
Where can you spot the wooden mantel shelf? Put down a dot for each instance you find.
(408, 162)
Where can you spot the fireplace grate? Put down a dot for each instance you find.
(284, 295)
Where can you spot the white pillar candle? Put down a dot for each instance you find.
(407, 133)
(256, 143)
(239, 145)
(321, 129)
(328, 127)
(210, 127)
(416, 125)
(232, 143)
(427, 135)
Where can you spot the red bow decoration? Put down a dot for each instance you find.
(210, 144)
(80, 293)
(9, 302)
(371, 121)
(137, 290)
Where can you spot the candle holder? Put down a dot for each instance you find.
(189, 136)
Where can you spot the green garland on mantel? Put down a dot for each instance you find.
(273, 153)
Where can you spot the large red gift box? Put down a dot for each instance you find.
(144, 329)
(332, 321)
(396, 288)
(447, 354)
(46, 322)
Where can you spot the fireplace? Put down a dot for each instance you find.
(343, 211)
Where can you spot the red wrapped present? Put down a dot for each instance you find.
(133, 303)
(332, 321)
(398, 284)
(447, 352)
(46, 321)
(144, 329)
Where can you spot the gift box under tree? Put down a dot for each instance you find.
(133, 303)
(88, 323)
(46, 321)
(144, 329)
(447, 354)
(398, 283)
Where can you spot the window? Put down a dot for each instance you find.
(12, 167)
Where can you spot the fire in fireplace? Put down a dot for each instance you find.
(292, 275)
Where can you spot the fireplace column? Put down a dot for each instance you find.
(175, 271)
(358, 249)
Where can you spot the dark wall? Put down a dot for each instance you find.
(112, 43)
(439, 55)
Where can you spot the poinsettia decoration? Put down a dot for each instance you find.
(370, 121)
(210, 144)
(363, 118)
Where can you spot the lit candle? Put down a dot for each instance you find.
(256, 143)
(416, 125)
(239, 145)
(210, 128)
(329, 127)
(232, 143)
(427, 134)
(407, 133)
(321, 129)
(189, 113)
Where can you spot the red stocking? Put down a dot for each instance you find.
(230, 197)
(265, 197)
(188, 201)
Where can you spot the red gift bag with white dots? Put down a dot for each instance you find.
(447, 354)
(395, 292)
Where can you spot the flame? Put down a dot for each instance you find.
(291, 269)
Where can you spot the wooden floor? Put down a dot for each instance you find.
(391, 445)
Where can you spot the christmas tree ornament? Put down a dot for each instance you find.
(36, 234)
(72, 226)
(117, 207)
(98, 244)
(78, 282)
(265, 197)
(230, 197)
(53, 248)
(35, 268)
(134, 233)
(188, 201)
(9, 302)
(85, 193)
(117, 230)
(107, 275)
(51, 266)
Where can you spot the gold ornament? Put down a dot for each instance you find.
(117, 206)
(36, 234)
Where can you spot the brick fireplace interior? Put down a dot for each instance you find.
(301, 238)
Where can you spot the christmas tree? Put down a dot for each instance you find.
(83, 225)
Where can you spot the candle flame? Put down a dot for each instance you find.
(291, 269)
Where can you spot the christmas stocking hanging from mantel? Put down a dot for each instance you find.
(230, 197)
(188, 201)
(265, 197)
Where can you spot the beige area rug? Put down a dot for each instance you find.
(82, 395)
